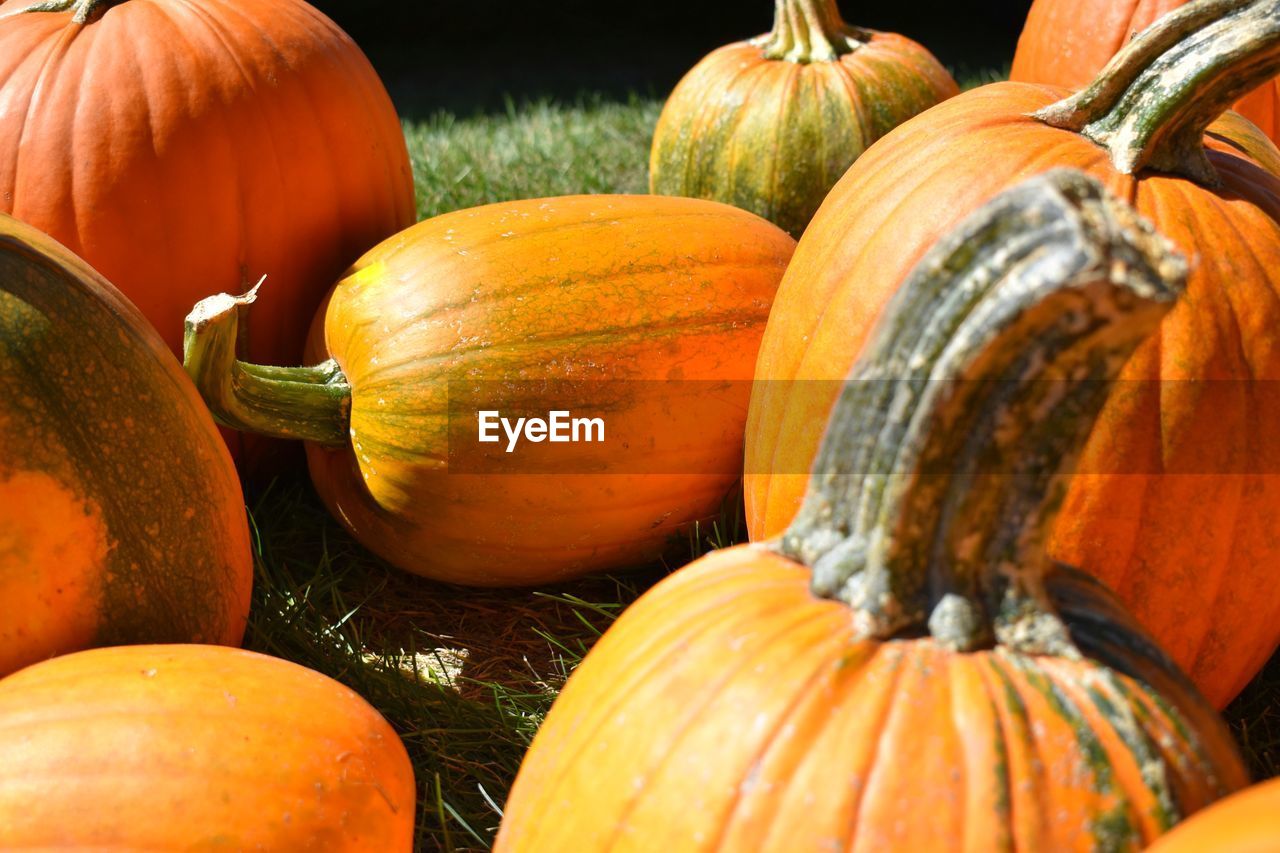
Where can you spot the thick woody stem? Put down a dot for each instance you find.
(810, 31)
(83, 9)
(945, 457)
(1152, 103)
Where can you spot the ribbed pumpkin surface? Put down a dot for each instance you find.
(196, 748)
(1186, 553)
(670, 294)
(729, 709)
(187, 147)
(121, 518)
(773, 136)
(1066, 42)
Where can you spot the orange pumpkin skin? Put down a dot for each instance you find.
(1186, 554)
(1245, 822)
(599, 289)
(730, 709)
(196, 748)
(1066, 42)
(186, 148)
(121, 517)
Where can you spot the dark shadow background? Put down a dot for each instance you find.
(470, 56)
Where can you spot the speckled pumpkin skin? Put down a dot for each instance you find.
(121, 517)
(602, 289)
(773, 136)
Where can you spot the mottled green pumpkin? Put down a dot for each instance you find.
(770, 124)
(121, 517)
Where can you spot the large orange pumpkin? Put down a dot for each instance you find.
(1178, 501)
(196, 748)
(897, 672)
(770, 124)
(645, 310)
(121, 518)
(1066, 43)
(1246, 822)
(188, 147)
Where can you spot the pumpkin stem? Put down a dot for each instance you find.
(810, 31)
(946, 455)
(83, 9)
(309, 403)
(1150, 106)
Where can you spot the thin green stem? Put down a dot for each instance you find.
(308, 403)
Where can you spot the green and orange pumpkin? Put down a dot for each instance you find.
(654, 306)
(121, 517)
(195, 747)
(1177, 501)
(905, 669)
(770, 124)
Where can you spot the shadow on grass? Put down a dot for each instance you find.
(464, 675)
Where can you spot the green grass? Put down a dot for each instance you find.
(466, 676)
(534, 151)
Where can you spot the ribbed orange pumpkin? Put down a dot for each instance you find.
(121, 517)
(1190, 552)
(1247, 822)
(897, 672)
(187, 147)
(649, 308)
(1066, 42)
(770, 125)
(196, 748)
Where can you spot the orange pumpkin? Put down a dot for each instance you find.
(649, 310)
(770, 124)
(1177, 502)
(121, 518)
(898, 672)
(196, 748)
(1247, 822)
(1066, 43)
(187, 147)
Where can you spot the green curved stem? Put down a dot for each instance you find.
(308, 403)
(1150, 106)
(810, 31)
(944, 459)
(83, 9)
